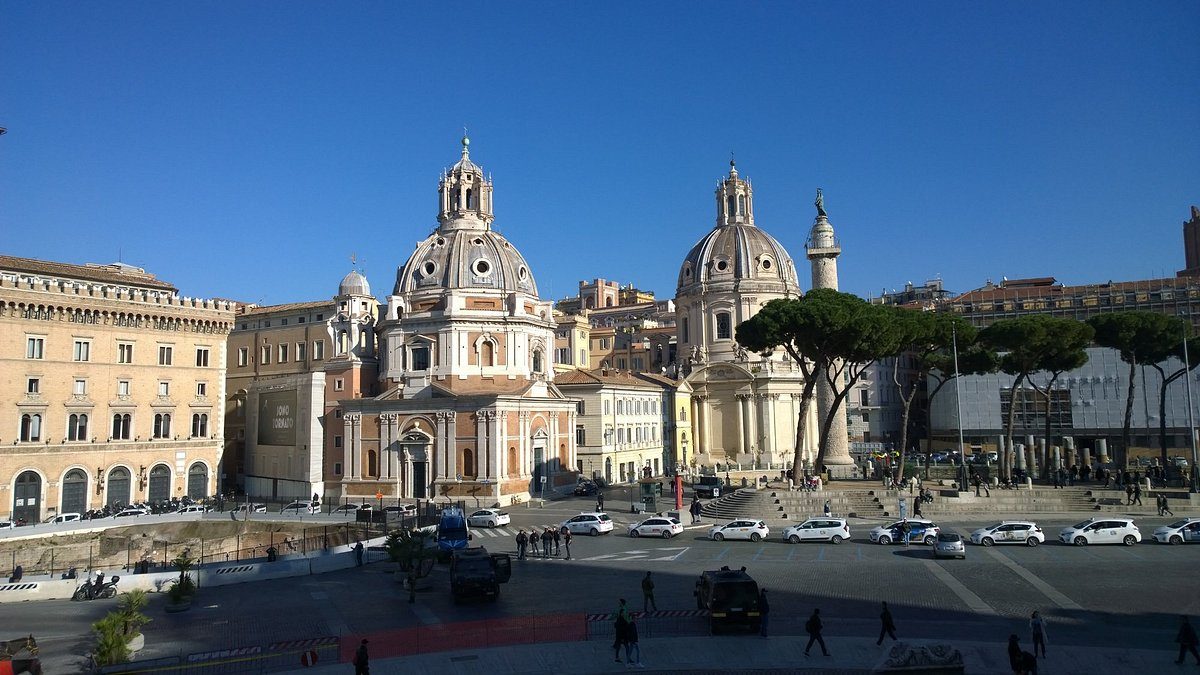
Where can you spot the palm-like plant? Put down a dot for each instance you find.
(411, 549)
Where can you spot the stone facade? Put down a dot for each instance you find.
(113, 388)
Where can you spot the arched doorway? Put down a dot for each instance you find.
(197, 481)
(27, 497)
(74, 492)
(118, 487)
(160, 483)
(416, 464)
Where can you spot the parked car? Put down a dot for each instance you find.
(1009, 532)
(753, 530)
(657, 526)
(594, 523)
(923, 531)
(731, 598)
(252, 508)
(346, 508)
(195, 508)
(949, 545)
(585, 488)
(64, 518)
(129, 512)
(1101, 531)
(1179, 532)
(298, 507)
(487, 518)
(401, 510)
(832, 530)
(7, 525)
(708, 487)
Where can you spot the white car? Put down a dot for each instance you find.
(1180, 531)
(195, 508)
(402, 510)
(487, 518)
(921, 531)
(252, 508)
(657, 526)
(1009, 532)
(64, 518)
(832, 530)
(7, 525)
(594, 523)
(129, 512)
(297, 507)
(754, 530)
(1101, 531)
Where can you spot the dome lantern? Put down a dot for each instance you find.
(464, 195)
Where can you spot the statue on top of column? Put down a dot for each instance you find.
(820, 203)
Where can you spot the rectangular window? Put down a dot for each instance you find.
(283, 353)
(301, 351)
(122, 387)
(580, 407)
(583, 357)
(723, 327)
(34, 347)
(33, 385)
(864, 397)
(80, 387)
(420, 358)
(866, 417)
(337, 468)
(580, 435)
(264, 356)
(300, 320)
(339, 384)
(201, 357)
(321, 317)
(606, 407)
(283, 322)
(124, 352)
(318, 348)
(82, 350)
(165, 355)
(201, 389)
(164, 388)
(243, 356)
(603, 343)
(337, 443)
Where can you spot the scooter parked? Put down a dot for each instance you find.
(97, 588)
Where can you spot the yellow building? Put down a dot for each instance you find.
(112, 388)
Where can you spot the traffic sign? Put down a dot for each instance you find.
(378, 495)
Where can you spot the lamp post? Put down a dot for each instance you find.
(962, 454)
(1187, 378)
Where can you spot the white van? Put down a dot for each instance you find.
(65, 518)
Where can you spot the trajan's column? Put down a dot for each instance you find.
(823, 252)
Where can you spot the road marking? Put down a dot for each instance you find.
(791, 553)
(821, 553)
(965, 594)
(858, 552)
(759, 554)
(1034, 580)
(722, 554)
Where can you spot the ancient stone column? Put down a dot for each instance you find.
(1057, 458)
(1102, 451)
(1043, 466)
(1069, 442)
(1019, 451)
(1085, 457)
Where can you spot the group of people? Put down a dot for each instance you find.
(541, 543)
(625, 635)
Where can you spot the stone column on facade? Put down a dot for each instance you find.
(573, 450)
(502, 440)
(1085, 457)
(706, 411)
(385, 445)
(524, 449)
(1019, 452)
(347, 447)
(744, 447)
(438, 451)
(1069, 443)
(1043, 465)
(481, 420)
(1102, 451)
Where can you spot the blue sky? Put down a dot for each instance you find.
(245, 150)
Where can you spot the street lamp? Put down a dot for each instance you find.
(1187, 378)
(962, 454)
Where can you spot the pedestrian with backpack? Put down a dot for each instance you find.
(813, 626)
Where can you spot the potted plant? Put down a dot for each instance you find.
(118, 633)
(412, 551)
(179, 596)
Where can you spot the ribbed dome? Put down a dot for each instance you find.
(465, 259)
(737, 252)
(354, 284)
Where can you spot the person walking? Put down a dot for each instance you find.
(522, 541)
(648, 594)
(566, 535)
(917, 507)
(362, 659)
(764, 612)
(1037, 626)
(695, 509)
(813, 626)
(906, 530)
(547, 541)
(599, 501)
(358, 553)
(1137, 493)
(620, 626)
(557, 540)
(1128, 494)
(633, 652)
(1166, 507)
(886, 625)
(534, 537)
(827, 511)
(1186, 637)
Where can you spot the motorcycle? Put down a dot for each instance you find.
(97, 589)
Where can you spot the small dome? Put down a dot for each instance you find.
(452, 259)
(737, 252)
(354, 284)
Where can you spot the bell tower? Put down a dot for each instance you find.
(735, 199)
(464, 195)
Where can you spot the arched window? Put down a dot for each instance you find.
(729, 207)
(469, 197)
(468, 466)
(537, 360)
(77, 427)
(199, 425)
(487, 353)
(120, 426)
(372, 464)
(724, 331)
(741, 204)
(684, 331)
(31, 427)
(608, 302)
(162, 425)
(341, 342)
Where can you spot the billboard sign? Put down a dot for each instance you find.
(277, 413)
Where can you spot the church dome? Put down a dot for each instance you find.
(466, 259)
(736, 250)
(354, 284)
(464, 251)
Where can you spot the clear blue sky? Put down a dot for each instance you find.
(245, 150)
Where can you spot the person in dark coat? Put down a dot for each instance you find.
(534, 538)
(1137, 493)
(764, 612)
(1187, 640)
(358, 553)
(813, 626)
(648, 594)
(566, 534)
(886, 625)
(695, 510)
(557, 541)
(362, 660)
(522, 540)
(547, 542)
